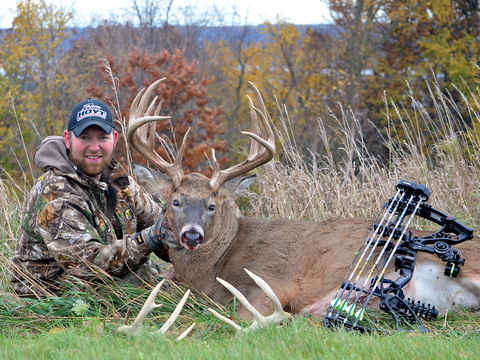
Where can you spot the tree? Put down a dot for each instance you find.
(36, 79)
(363, 31)
(184, 96)
(299, 72)
(230, 60)
(287, 62)
(389, 44)
(431, 42)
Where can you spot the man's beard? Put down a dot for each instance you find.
(93, 170)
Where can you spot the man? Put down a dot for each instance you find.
(85, 215)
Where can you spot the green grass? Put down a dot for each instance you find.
(298, 339)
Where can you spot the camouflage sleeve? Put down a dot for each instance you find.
(80, 237)
(147, 210)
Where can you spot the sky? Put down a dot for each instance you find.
(297, 11)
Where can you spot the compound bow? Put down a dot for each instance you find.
(390, 237)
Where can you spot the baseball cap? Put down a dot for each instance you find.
(90, 112)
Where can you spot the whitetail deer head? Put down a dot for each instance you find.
(195, 203)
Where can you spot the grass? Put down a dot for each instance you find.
(299, 339)
(345, 181)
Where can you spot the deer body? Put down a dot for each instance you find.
(294, 256)
(303, 262)
(298, 263)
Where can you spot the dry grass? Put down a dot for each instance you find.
(10, 214)
(359, 184)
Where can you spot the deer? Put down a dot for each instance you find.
(302, 262)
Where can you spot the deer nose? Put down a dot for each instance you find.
(192, 238)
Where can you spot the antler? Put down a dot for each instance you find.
(142, 137)
(149, 306)
(257, 156)
(259, 321)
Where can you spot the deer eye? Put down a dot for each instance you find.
(211, 207)
(175, 203)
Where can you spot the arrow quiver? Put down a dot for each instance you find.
(391, 242)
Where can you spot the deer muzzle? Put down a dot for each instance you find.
(192, 238)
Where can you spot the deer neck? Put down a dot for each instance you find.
(198, 268)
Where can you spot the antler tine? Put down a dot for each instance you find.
(279, 314)
(257, 156)
(225, 320)
(259, 321)
(262, 110)
(254, 148)
(149, 306)
(144, 131)
(175, 313)
(142, 137)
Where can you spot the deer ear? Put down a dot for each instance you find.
(153, 181)
(237, 186)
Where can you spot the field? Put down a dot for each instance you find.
(347, 183)
(299, 339)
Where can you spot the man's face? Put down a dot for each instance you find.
(92, 151)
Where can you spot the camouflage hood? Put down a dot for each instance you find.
(52, 153)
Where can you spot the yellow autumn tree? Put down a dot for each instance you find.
(231, 60)
(404, 49)
(289, 63)
(297, 68)
(35, 80)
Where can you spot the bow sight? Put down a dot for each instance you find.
(389, 238)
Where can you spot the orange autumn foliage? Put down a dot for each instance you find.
(184, 96)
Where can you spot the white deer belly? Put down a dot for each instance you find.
(430, 285)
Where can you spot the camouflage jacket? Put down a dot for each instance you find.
(75, 225)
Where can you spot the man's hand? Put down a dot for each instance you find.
(153, 234)
(158, 236)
